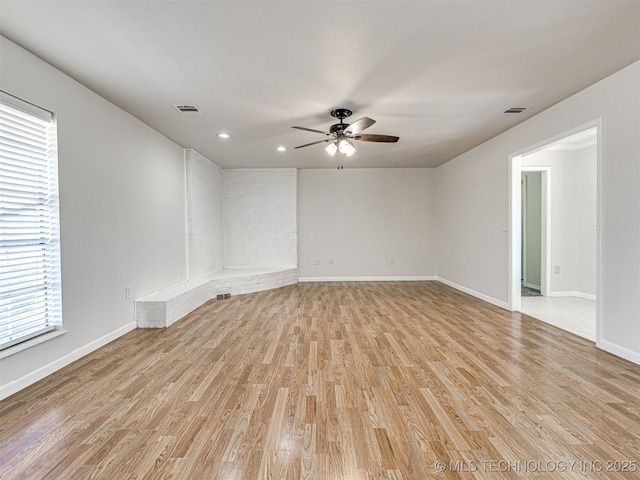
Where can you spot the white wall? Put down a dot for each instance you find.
(260, 217)
(587, 221)
(563, 181)
(122, 214)
(473, 205)
(204, 215)
(573, 216)
(363, 218)
(472, 216)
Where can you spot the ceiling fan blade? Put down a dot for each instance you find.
(376, 138)
(312, 130)
(359, 125)
(314, 143)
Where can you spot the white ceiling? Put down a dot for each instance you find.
(436, 73)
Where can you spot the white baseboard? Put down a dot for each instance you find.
(586, 296)
(366, 279)
(473, 293)
(530, 285)
(31, 378)
(619, 351)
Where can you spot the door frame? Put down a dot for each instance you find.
(545, 226)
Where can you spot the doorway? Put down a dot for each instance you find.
(535, 216)
(555, 242)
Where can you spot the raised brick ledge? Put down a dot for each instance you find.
(161, 309)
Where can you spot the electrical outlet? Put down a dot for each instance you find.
(392, 261)
(331, 261)
(556, 270)
(317, 261)
(127, 292)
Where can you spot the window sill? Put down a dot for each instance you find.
(7, 352)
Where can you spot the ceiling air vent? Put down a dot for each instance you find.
(187, 108)
(514, 110)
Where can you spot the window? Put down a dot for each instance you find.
(30, 301)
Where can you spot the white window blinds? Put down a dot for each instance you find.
(30, 302)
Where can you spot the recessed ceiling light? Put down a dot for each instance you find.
(281, 148)
(223, 135)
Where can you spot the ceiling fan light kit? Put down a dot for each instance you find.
(346, 147)
(342, 134)
(331, 149)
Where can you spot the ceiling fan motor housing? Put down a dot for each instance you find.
(341, 114)
(337, 127)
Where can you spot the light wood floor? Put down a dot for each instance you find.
(410, 380)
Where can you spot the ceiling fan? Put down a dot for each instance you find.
(341, 134)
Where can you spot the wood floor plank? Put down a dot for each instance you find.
(381, 380)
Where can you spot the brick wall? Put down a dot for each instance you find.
(204, 215)
(260, 217)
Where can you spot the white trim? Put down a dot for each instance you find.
(545, 276)
(31, 378)
(187, 231)
(473, 293)
(619, 351)
(515, 232)
(576, 147)
(524, 215)
(599, 231)
(32, 342)
(26, 107)
(536, 147)
(367, 279)
(586, 296)
(545, 227)
(532, 286)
